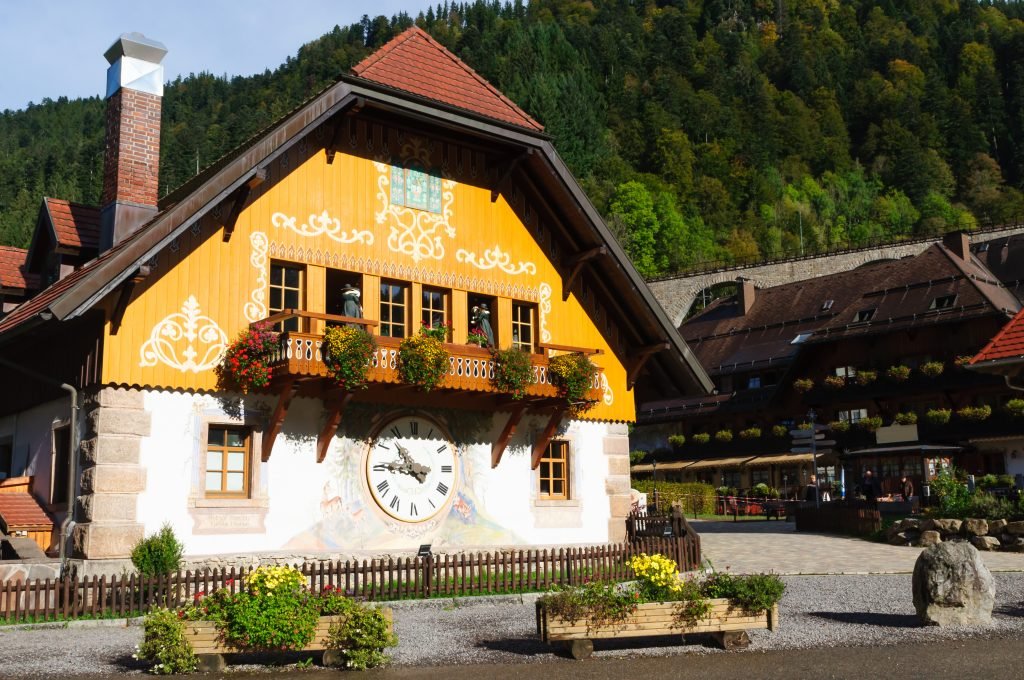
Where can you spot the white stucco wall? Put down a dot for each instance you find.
(325, 507)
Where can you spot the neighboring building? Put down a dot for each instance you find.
(16, 282)
(412, 180)
(1004, 357)
(926, 313)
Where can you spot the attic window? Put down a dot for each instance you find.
(800, 338)
(827, 305)
(943, 302)
(865, 315)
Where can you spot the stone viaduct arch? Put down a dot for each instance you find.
(677, 294)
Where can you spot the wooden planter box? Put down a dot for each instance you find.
(210, 648)
(729, 624)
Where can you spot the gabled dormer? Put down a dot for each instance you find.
(67, 236)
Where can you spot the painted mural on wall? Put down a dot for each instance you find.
(357, 512)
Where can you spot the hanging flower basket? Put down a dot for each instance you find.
(245, 365)
(573, 374)
(347, 354)
(835, 382)
(513, 371)
(803, 385)
(422, 359)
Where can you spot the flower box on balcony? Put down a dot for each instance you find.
(727, 621)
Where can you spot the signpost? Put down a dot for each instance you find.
(812, 440)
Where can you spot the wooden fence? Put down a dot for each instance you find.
(513, 571)
(838, 518)
(683, 542)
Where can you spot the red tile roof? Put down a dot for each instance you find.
(416, 63)
(76, 225)
(1007, 343)
(12, 269)
(19, 510)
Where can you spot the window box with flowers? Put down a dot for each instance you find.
(1015, 407)
(898, 373)
(513, 371)
(245, 365)
(839, 426)
(660, 602)
(870, 424)
(273, 611)
(724, 436)
(347, 353)
(676, 441)
(937, 416)
(835, 382)
(974, 414)
(422, 358)
(932, 369)
(750, 433)
(701, 438)
(908, 418)
(780, 431)
(865, 378)
(803, 385)
(963, 361)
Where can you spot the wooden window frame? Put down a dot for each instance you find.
(530, 323)
(427, 310)
(544, 470)
(247, 463)
(406, 309)
(291, 324)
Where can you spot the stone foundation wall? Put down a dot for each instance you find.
(616, 450)
(111, 475)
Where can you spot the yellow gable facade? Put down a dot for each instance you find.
(390, 211)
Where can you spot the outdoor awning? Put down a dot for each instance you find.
(783, 459)
(664, 467)
(909, 448)
(717, 463)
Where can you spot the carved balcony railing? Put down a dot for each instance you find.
(301, 354)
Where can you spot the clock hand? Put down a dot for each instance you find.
(412, 468)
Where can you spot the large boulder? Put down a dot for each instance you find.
(1013, 543)
(985, 542)
(943, 526)
(974, 527)
(1015, 528)
(953, 587)
(996, 527)
(930, 537)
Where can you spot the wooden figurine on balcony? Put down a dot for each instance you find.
(350, 303)
(482, 320)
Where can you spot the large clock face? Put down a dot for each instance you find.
(411, 469)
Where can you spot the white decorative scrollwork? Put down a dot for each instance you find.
(495, 257)
(413, 232)
(609, 394)
(323, 225)
(544, 303)
(256, 308)
(191, 328)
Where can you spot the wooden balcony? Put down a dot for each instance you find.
(300, 355)
(298, 367)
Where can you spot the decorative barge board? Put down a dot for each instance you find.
(727, 622)
(209, 646)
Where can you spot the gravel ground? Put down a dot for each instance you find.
(817, 611)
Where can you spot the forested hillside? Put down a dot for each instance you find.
(703, 130)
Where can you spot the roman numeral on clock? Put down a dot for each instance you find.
(395, 503)
(414, 427)
(442, 448)
(442, 488)
(446, 468)
(412, 510)
(383, 487)
(395, 431)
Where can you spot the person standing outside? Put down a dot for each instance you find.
(868, 487)
(811, 491)
(906, 488)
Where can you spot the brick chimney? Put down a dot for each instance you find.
(958, 242)
(131, 161)
(745, 293)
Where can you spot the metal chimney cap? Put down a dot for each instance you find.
(137, 46)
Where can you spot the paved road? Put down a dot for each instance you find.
(747, 547)
(989, 659)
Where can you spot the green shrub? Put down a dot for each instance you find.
(599, 604)
(985, 481)
(952, 494)
(986, 506)
(676, 441)
(362, 636)
(158, 554)
(908, 418)
(688, 494)
(1015, 407)
(937, 416)
(1004, 480)
(636, 456)
(701, 438)
(164, 644)
(723, 436)
(762, 490)
(754, 593)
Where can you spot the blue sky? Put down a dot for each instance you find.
(50, 48)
